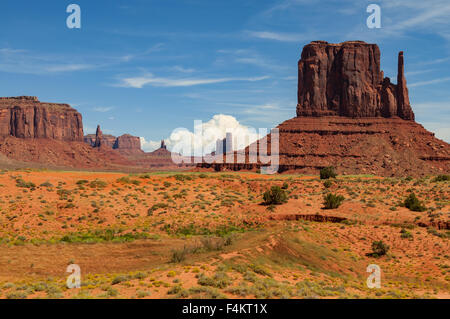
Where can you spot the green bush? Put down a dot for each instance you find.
(405, 234)
(98, 184)
(21, 183)
(155, 207)
(441, 178)
(327, 184)
(275, 196)
(378, 249)
(414, 204)
(328, 172)
(332, 201)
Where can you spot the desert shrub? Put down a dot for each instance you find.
(63, 193)
(328, 172)
(179, 255)
(181, 177)
(46, 184)
(98, 184)
(275, 196)
(82, 182)
(21, 183)
(156, 207)
(414, 204)
(123, 180)
(119, 279)
(327, 183)
(378, 249)
(441, 178)
(285, 185)
(405, 234)
(215, 244)
(219, 280)
(332, 201)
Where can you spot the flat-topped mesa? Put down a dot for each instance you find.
(345, 80)
(128, 142)
(27, 117)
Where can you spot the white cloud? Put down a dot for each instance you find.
(203, 139)
(149, 79)
(277, 36)
(149, 146)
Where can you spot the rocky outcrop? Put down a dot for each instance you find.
(345, 80)
(128, 142)
(348, 116)
(27, 117)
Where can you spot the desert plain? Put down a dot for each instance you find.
(211, 235)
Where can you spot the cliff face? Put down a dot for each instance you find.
(345, 80)
(26, 117)
(128, 141)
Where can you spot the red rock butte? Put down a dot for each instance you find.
(353, 118)
(345, 80)
(27, 117)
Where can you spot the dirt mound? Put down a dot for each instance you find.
(54, 153)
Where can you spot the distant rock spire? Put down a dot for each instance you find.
(163, 145)
(98, 137)
(403, 106)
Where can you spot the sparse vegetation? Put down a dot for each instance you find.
(328, 172)
(379, 248)
(332, 201)
(275, 196)
(414, 204)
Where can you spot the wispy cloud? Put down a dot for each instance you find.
(277, 36)
(103, 109)
(149, 79)
(435, 81)
(178, 68)
(27, 62)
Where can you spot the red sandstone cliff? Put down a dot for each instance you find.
(345, 80)
(26, 117)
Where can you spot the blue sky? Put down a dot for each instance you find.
(146, 67)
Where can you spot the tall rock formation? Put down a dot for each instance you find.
(27, 117)
(345, 79)
(98, 137)
(351, 117)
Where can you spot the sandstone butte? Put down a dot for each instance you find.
(353, 118)
(38, 134)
